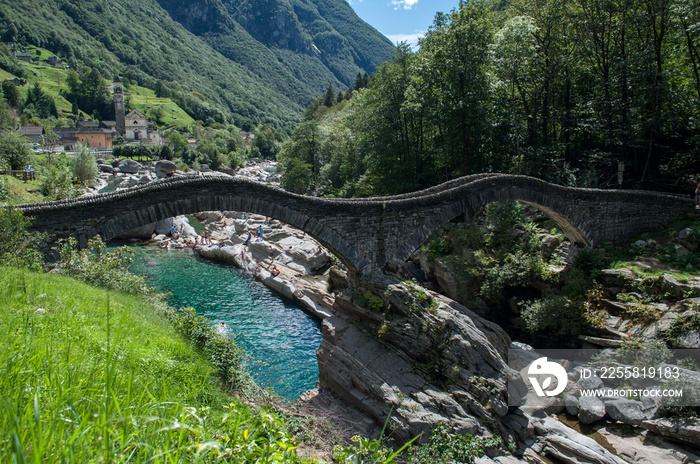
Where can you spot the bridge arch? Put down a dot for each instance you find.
(570, 222)
(370, 234)
(114, 214)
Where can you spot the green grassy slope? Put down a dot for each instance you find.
(88, 375)
(53, 80)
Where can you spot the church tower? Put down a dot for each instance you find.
(119, 106)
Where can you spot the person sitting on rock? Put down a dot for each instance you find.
(275, 271)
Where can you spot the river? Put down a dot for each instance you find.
(279, 337)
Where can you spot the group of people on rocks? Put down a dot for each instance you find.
(252, 265)
(178, 240)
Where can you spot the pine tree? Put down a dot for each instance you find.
(358, 81)
(329, 99)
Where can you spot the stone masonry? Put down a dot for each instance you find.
(369, 234)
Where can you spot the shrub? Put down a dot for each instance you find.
(100, 267)
(554, 319)
(84, 164)
(589, 262)
(503, 215)
(14, 149)
(56, 183)
(444, 447)
(18, 246)
(437, 246)
(517, 269)
(222, 351)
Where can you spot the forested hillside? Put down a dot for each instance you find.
(246, 62)
(574, 92)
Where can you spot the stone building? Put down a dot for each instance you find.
(136, 126)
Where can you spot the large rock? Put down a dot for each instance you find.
(618, 277)
(447, 282)
(165, 168)
(104, 167)
(374, 379)
(685, 431)
(184, 223)
(549, 244)
(163, 226)
(209, 216)
(305, 253)
(627, 411)
(568, 445)
(645, 447)
(688, 239)
(449, 342)
(129, 166)
(144, 232)
(590, 409)
(571, 404)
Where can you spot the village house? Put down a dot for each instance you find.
(155, 137)
(247, 137)
(23, 56)
(98, 135)
(54, 61)
(33, 133)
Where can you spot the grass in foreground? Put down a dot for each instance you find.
(22, 192)
(88, 375)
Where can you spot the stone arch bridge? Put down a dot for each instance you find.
(371, 234)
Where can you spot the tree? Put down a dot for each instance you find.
(329, 99)
(6, 119)
(393, 129)
(266, 142)
(178, 144)
(513, 50)
(88, 91)
(11, 93)
(84, 164)
(453, 69)
(297, 176)
(14, 149)
(44, 106)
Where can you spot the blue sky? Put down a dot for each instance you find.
(401, 20)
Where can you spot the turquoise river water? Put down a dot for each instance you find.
(280, 338)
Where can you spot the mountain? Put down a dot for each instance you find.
(249, 61)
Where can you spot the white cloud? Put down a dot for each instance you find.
(412, 39)
(406, 4)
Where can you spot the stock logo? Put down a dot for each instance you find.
(541, 367)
